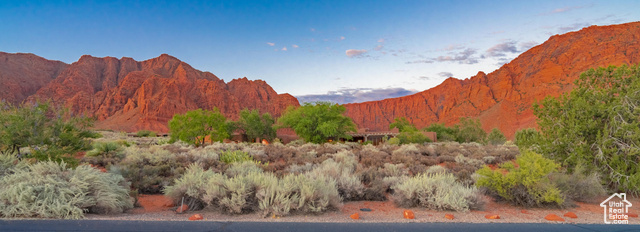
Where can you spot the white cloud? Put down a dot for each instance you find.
(463, 57)
(295, 46)
(355, 95)
(501, 49)
(445, 74)
(381, 40)
(312, 29)
(342, 38)
(355, 52)
(378, 48)
(284, 48)
(271, 44)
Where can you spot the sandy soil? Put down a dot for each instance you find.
(157, 207)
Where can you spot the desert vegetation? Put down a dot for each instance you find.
(586, 147)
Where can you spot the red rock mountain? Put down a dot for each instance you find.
(21, 75)
(124, 94)
(503, 98)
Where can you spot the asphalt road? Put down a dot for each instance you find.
(192, 226)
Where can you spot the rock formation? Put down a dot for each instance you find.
(21, 75)
(502, 99)
(124, 94)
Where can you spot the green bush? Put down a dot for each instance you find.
(596, 125)
(150, 169)
(527, 139)
(51, 190)
(527, 184)
(104, 154)
(496, 137)
(408, 137)
(443, 133)
(470, 130)
(229, 157)
(46, 132)
(436, 191)
(146, 133)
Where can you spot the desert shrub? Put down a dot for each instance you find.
(146, 133)
(470, 130)
(243, 168)
(435, 169)
(436, 191)
(191, 186)
(370, 156)
(527, 184)
(49, 133)
(299, 168)
(257, 191)
(8, 163)
(496, 137)
(428, 150)
(51, 190)
(394, 141)
(342, 168)
(489, 160)
(409, 137)
(445, 158)
(151, 169)
(229, 157)
(579, 185)
(460, 159)
(104, 154)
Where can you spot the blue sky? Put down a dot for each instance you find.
(346, 51)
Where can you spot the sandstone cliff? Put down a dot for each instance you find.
(502, 99)
(21, 75)
(124, 94)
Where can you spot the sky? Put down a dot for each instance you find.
(341, 51)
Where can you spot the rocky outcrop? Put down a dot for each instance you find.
(127, 95)
(21, 75)
(503, 99)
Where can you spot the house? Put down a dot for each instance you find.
(616, 208)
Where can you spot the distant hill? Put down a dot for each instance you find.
(503, 98)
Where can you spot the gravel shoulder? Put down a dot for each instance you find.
(587, 213)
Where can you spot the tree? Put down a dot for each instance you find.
(597, 125)
(256, 125)
(496, 137)
(527, 139)
(38, 130)
(318, 122)
(443, 132)
(194, 126)
(402, 124)
(408, 132)
(470, 130)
